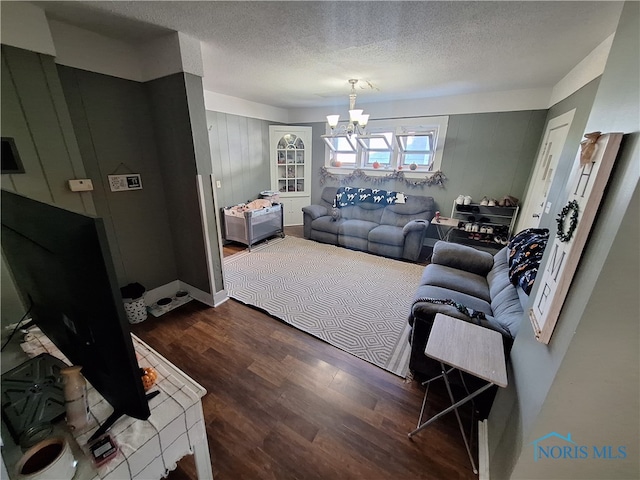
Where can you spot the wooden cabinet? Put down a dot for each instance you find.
(483, 226)
(290, 149)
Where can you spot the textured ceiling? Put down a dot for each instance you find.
(301, 54)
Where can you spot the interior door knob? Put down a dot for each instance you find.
(535, 215)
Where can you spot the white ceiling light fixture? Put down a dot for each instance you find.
(357, 123)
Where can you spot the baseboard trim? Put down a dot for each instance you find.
(483, 451)
(169, 290)
(220, 297)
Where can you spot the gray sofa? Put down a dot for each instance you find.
(391, 230)
(461, 281)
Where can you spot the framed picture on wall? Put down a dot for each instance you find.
(11, 162)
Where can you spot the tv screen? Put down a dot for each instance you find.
(62, 268)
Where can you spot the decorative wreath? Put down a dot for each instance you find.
(574, 208)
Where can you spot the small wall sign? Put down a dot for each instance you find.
(121, 183)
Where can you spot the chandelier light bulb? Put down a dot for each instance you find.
(332, 120)
(354, 115)
(363, 120)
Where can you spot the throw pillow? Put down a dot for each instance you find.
(525, 253)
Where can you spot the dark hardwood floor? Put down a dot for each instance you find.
(282, 404)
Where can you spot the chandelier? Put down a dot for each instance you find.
(357, 120)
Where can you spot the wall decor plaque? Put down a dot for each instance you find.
(585, 190)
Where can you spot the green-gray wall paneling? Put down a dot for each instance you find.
(488, 154)
(111, 118)
(178, 166)
(35, 114)
(240, 156)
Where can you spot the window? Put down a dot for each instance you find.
(343, 151)
(377, 150)
(413, 145)
(416, 148)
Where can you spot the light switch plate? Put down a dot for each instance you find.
(121, 183)
(81, 185)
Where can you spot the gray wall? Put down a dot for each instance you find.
(177, 161)
(70, 123)
(581, 101)
(111, 119)
(240, 156)
(500, 146)
(488, 154)
(586, 381)
(35, 114)
(204, 165)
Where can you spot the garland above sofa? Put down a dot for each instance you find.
(436, 178)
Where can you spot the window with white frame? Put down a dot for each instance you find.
(413, 145)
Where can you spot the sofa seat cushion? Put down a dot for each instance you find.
(425, 309)
(387, 234)
(456, 281)
(356, 228)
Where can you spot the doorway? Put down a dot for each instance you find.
(545, 168)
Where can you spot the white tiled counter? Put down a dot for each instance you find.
(147, 448)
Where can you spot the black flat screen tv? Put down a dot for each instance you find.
(62, 268)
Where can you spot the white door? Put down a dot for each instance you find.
(544, 170)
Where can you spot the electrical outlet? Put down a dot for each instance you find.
(547, 208)
(81, 185)
(218, 184)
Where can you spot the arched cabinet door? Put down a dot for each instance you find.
(290, 148)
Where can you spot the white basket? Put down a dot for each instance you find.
(136, 310)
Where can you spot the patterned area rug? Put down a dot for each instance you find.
(353, 300)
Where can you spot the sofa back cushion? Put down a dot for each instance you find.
(462, 257)
(506, 304)
(415, 207)
(371, 212)
(328, 196)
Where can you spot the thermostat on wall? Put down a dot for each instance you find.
(120, 183)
